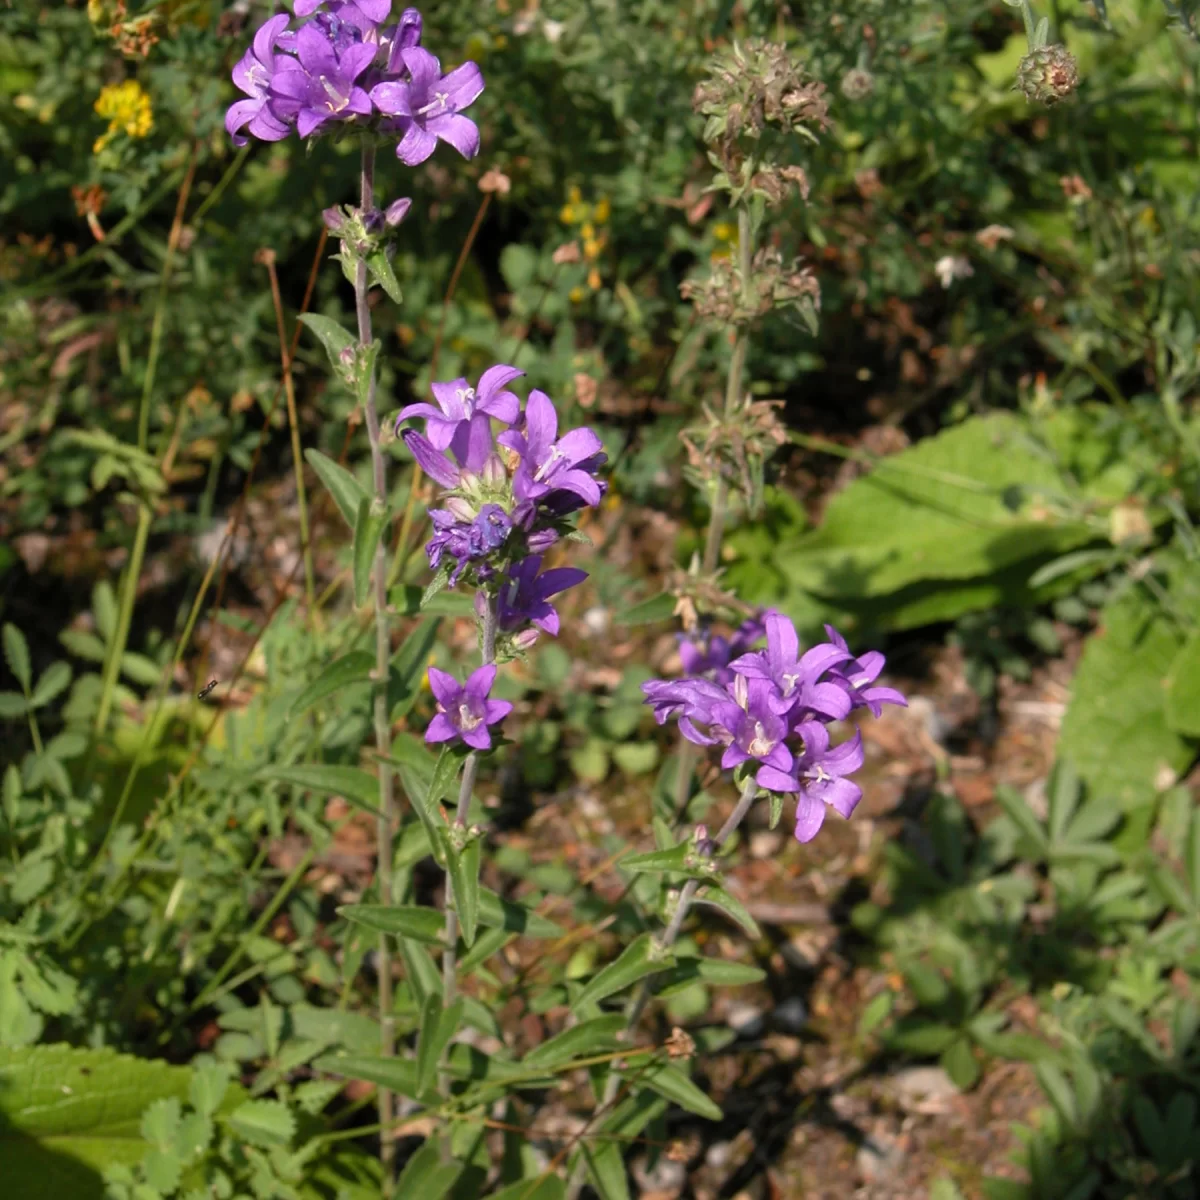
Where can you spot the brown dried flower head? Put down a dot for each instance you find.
(857, 84)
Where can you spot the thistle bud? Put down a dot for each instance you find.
(1048, 74)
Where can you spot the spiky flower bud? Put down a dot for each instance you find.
(857, 84)
(1048, 74)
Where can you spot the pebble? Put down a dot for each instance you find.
(791, 1015)
(923, 1083)
(746, 1020)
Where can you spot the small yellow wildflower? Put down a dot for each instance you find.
(726, 231)
(587, 231)
(594, 279)
(576, 295)
(591, 248)
(602, 211)
(127, 107)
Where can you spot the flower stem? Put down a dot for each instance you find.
(637, 1002)
(383, 653)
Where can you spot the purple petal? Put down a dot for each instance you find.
(463, 85)
(472, 442)
(821, 657)
(580, 483)
(440, 432)
(304, 8)
(495, 378)
(440, 729)
(780, 757)
(846, 758)
(359, 103)
(356, 59)
(309, 120)
(693, 734)
(842, 795)
(449, 396)
(810, 813)
(480, 681)
(496, 710)
(445, 688)
(751, 666)
(240, 112)
(556, 580)
(782, 643)
(733, 756)
(869, 666)
(541, 423)
(291, 84)
(421, 410)
(437, 466)
(578, 445)
(479, 738)
(829, 699)
(884, 695)
(546, 619)
(461, 132)
(423, 67)
(315, 53)
(392, 99)
(375, 10)
(415, 146)
(815, 737)
(267, 127)
(775, 780)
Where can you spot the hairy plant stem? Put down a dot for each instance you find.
(383, 654)
(640, 998)
(688, 755)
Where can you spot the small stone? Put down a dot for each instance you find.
(597, 620)
(791, 1015)
(766, 843)
(923, 1083)
(746, 1020)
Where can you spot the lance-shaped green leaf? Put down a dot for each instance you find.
(437, 584)
(640, 958)
(351, 783)
(462, 866)
(719, 972)
(420, 970)
(606, 1170)
(588, 1038)
(398, 1074)
(346, 491)
(497, 913)
(355, 667)
(336, 340)
(729, 904)
(547, 1187)
(380, 268)
(438, 1026)
(668, 1080)
(681, 860)
(403, 920)
(16, 654)
(425, 1175)
(369, 524)
(657, 608)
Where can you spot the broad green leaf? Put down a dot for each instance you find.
(639, 959)
(67, 1113)
(596, 1036)
(1058, 1091)
(403, 920)
(959, 1062)
(355, 667)
(438, 1026)
(729, 904)
(657, 608)
(921, 1037)
(425, 1175)
(369, 524)
(346, 491)
(497, 913)
(16, 654)
(547, 1187)
(1183, 688)
(263, 1123)
(1115, 728)
(53, 682)
(668, 1080)
(351, 783)
(12, 705)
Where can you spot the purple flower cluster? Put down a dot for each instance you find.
(508, 499)
(345, 64)
(707, 655)
(770, 710)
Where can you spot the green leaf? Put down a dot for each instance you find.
(263, 1123)
(657, 608)
(1183, 689)
(16, 654)
(438, 583)
(681, 860)
(546, 1187)
(12, 705)
(426, 1176)
(333, 337)
(346, 491)
(729, 904)
(351, 783)
(83, 644)
(403, 920)
(921, 1037)
(420, 970)
(408, 666)
(639, 959)
(1058, 1091)
(369, 524)
(438, 1026)
(380, 268)
(463, 869)
(209, 1083)
(606, 1169)
(959, 1062)
(497, 913)
(596, 1036)
(54, 680)
(1127, 748)
(399, 1074)
(67, 1113)
(1019, 812)
(355, 667)
(668, 1080)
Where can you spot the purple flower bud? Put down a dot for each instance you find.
(335, 222)
(493, 470)
(526, 639)
(461, 509)
(397, 211)
(372, 220)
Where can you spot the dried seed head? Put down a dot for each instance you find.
(857, 84)
(680, 1044)
(1048, 74)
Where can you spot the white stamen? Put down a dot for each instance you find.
(555, 455)
(336, 101)
(760, 744)
(467, 720)
(438, 104)
(466, 397)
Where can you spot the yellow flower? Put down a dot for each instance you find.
(602, 211)
(594, 279)
(127, 107)
(591, 249)
(574, 195)
(587, 231)
(567, 214)
(576, 294)
(726, 231)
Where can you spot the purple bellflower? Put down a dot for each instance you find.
(253, 75)
(853, 674)
(464, 710)
(754, 730)
(548, 463)
(524, 597)
(430, 106)
(708, 654)
(822, 772)
(318, 86)
(459, 404)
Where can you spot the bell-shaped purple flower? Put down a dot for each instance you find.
(253, 75)
(431, 105)
(464, 710)
(756, 731)
(709, 654)
(406, 32)
(855, 674)
(434, 463)
(459, 405)
(524, 597)
(319, 86)
(549, 463)
(821, 772)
